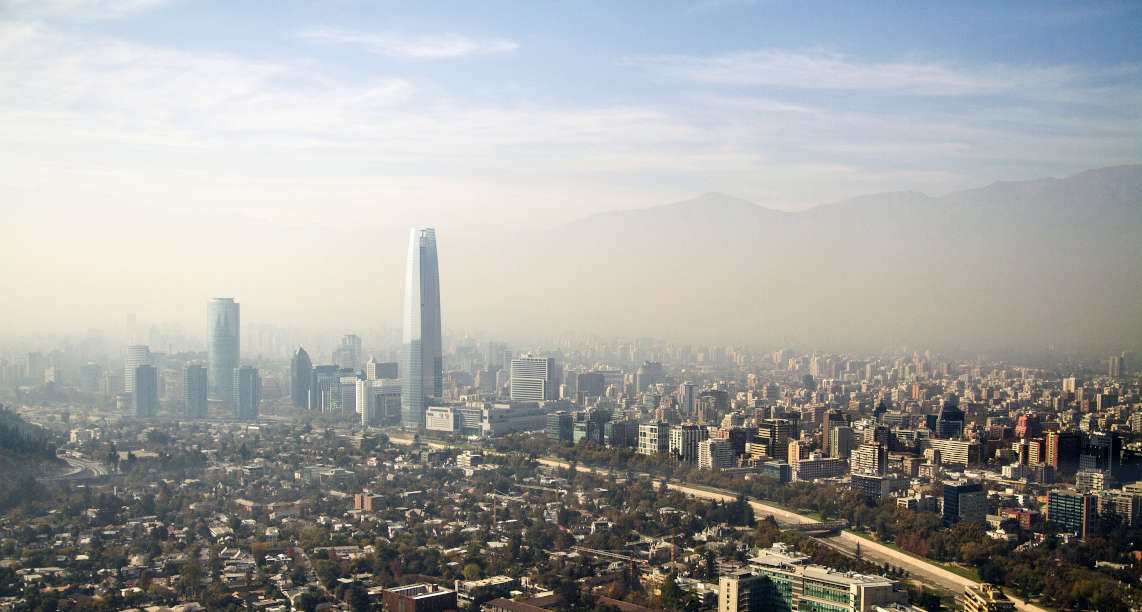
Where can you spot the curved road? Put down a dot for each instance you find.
(845, 541)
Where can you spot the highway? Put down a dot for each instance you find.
(845, 541)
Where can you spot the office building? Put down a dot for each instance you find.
(715, 454)
(375, 370)
(300, 376)
(421, 597)
(950, 422)
(1072, 511)
(324, 379)
(560, 425)
(744, 591)
(137, 355)
(145, 399)
(194, 392)
(621, 434)
(348, 353)
(422, 366)
(796, 584)
(247, 388)
(224, 328)
(534, 379)
(964, 501)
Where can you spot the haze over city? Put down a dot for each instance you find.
(674, 306)
(159, 153)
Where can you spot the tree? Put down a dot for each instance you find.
(670, 596)
(328, 572)
(472, 571)
(357, 597)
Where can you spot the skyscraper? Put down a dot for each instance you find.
(247, 387)
(301, 374)
(194, 392)
(137, 355)
(348, 353)
(145, 398)
(535, 379)
(422, 367)
(223, 323)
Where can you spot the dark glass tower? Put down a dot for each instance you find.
(422, 367)
(301, 374)
(223, 324)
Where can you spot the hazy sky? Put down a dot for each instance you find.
(480, 116)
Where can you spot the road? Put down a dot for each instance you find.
(80, 469)
(845, 541)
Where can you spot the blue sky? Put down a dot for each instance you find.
(479, 115)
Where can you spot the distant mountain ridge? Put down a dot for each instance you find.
(1114, 184)
(1049, 262)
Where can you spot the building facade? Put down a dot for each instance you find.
(194, 392)
(224, 348)
(422, 366)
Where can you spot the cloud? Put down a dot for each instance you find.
(424, 47)
(77, 9)
(835, 71)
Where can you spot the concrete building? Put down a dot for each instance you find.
(986, 598)
(194, 392)
(247, 388)
(421, 597)
(715, 454)
(534, 379)
(797, 584)
(653, 438)
(684, 441)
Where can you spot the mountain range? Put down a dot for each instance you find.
(1028, 264)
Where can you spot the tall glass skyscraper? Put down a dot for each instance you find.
(224, 324)
(422, 362)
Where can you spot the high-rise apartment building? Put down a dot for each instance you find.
(301, 376)
(684, 441)
(224, 327)
(841, 442)
(247, 386)
(715, 454)
(194, 392)
(687, 398)
(653, 438)
(137, 355)
(145, 399)
(534, 379)
(422, 367)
